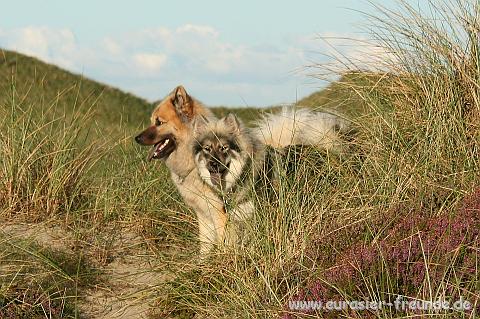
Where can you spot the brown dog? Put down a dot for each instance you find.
(171, 137)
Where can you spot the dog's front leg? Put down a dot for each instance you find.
(206, 234)
(220, 223)
(212, 220)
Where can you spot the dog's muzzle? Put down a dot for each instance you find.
(161, 149)
(217, 172)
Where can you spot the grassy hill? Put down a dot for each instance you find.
(397, 213)
(341, 94)
(32, 82)
(68, 158)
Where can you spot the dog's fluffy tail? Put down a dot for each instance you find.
(302, 127)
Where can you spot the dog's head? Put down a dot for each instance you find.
(217, 150)
(169, 124)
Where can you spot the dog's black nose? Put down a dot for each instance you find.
(138, 139)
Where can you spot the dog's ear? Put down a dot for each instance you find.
(183, 104)
(199, 124)
(232, 123)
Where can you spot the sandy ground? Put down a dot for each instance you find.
(130, 273)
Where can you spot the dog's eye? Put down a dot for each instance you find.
(158, 122)
(207, 148)
(224, 148)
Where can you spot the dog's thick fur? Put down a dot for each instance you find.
(228, 159)
(170, 135)
(294, 126)
(232, 159)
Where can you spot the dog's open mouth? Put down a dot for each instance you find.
(163, 149)
(217, 176)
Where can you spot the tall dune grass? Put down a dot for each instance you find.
(396, 215)
(44, 173)
(63, 164)
(59, 160)
(46, 158)
(336, 223)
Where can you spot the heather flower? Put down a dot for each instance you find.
(416, 243)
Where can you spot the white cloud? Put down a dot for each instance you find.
(198, 29)
(111, 46)
(343, 52)
(199, 52)
(55, 46)
(150, 62)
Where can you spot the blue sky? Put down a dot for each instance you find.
(226, 53)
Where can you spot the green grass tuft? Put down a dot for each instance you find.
(69, 154)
